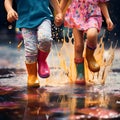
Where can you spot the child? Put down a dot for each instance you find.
(34, 19)
(84, 16)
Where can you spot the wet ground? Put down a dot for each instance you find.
(66, 102)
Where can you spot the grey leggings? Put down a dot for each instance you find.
(37, 38)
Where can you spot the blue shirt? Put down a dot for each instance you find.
(31, 13)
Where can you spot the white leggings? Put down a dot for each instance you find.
(37, 38)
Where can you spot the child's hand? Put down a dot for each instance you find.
(12, 16)
(58, 19)
(110, 24)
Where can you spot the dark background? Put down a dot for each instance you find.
(114, 10)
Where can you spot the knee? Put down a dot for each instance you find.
(44, 45)
(44, 36)
(92, 34)
(44, 41)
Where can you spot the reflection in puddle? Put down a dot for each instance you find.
(50, 103)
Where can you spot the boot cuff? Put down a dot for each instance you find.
(91, 48)
(79, 60)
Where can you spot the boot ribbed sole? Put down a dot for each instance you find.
(44, 76)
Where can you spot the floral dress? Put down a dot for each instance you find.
(84, 14)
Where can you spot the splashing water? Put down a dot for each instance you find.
(105, 59)
(63, 70)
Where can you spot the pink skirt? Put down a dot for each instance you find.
(92, 22)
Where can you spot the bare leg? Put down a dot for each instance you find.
(79, 61)
(79, 43)
(92, 36)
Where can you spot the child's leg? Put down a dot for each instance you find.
(79, 43)
(31, 51)
(92, 36)
(79, 60)
(44, 45)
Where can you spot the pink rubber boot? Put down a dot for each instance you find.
(43, 69)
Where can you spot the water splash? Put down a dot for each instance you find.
(63, 70)
(105, 59)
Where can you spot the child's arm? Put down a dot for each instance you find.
(58, 12)
(55, 5)
(11, 13)
(105, 13)
(63, 4)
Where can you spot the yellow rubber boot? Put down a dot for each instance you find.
(92, 64)
(32, 75)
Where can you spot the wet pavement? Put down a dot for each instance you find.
(58, 102)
